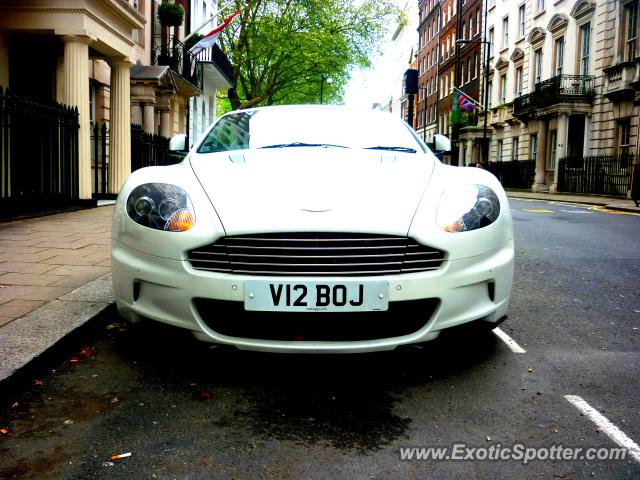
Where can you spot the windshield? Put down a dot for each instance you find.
(312, 127)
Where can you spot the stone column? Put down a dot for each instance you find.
(164, 106)
(149, 118)
(561, 148)
(76, 94)
(461, 153)
(540, 185)
(136, 112)
(120, 128)
(468, 153)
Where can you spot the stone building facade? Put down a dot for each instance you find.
(563, 81)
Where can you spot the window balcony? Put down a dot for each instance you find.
(172, 52)
(619, 81)
(554, 91)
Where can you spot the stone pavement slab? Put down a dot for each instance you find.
(44, 258)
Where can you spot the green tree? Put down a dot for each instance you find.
(281, 49)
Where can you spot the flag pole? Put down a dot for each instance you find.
(212, 17)
(472, 100)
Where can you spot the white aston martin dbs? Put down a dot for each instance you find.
(312, 229)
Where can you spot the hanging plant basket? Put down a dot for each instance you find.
(170, 14)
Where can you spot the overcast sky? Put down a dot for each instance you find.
(384, 79)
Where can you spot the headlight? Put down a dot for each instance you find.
(161, 206)
(467, 207)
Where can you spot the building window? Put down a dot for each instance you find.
(505, 32)
(452, 81)
(585, 41)
(624, 138)
(519, 80)
(463, 71)
(500, 150)
(503, 89)
(559, 54)
(492, 3)
(521, 21)
(477, 22)
(533, 142)
(515, 149)
(551, 154)
(540, 5)
(491, 41)
(464, 30)
(469, 69)
(489, 88)
(537, 65)
(470, 27)
(631, 26)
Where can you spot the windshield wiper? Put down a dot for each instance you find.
(392, 149)
(302, 144)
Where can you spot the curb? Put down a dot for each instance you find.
(568, 199)
(26, 338)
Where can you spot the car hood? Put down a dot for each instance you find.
(307, 189)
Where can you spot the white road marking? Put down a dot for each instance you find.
(613, 432)
(576, 211)
(511, 343)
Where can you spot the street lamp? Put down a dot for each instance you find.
(486, 88)
(329, 81)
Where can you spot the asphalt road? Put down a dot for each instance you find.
(187, 411)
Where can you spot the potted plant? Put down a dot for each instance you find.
(170, 14)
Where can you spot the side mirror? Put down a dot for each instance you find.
(441, 143)
(178, 143)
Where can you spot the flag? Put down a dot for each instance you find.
(456, 114)
(210, 38)
(464, 104)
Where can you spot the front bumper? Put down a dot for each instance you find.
(460, 291)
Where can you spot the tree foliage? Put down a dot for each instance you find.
(281, 49)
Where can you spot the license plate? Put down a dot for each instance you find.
(262, 295)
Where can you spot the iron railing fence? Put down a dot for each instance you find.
(635, 184)
(38, 151)
(99, 160)
(600, 175)
(150, 150)
(514, 174)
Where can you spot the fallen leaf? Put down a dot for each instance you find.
(204, 395)
(115, 400)
(5, 432)
(38, 382)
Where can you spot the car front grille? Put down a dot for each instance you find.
(230, 318)
(315, 254)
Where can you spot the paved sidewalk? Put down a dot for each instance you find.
(54, 275)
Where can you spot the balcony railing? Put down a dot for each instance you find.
(173, 53)
(555, 90)
(619, 80)
(214, 55)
